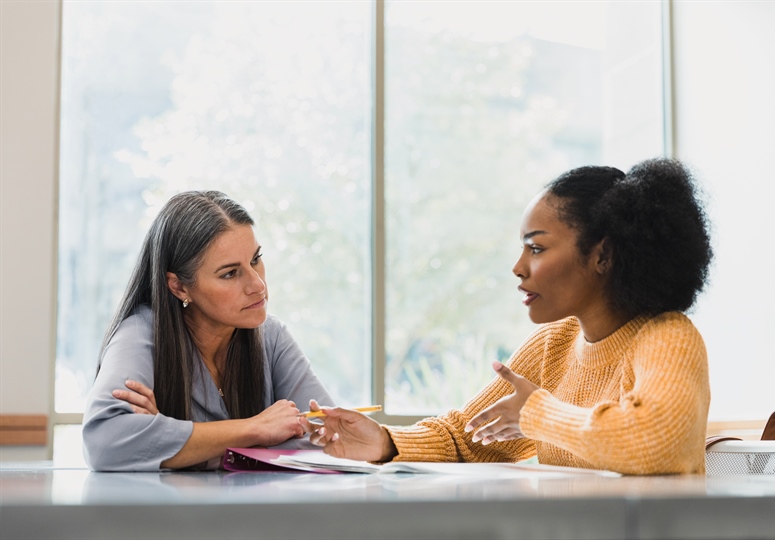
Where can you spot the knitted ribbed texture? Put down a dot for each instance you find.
(635, 402)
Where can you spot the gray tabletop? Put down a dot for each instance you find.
(39, 501)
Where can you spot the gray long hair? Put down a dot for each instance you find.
(176, 242)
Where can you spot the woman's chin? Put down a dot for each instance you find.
(541, 318)
(254, 321)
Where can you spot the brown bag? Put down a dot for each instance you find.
(769, 429)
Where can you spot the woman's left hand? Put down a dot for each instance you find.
(139, 397)
(508, 409)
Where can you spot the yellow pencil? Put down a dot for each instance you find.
(317, 414)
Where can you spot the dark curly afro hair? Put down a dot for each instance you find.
(654, 226)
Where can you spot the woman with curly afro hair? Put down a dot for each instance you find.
(616, 376)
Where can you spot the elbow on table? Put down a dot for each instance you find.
(99, 452)
(664, 458)
(105, 451)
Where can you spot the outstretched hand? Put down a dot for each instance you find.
(351, 435)
(505, 412)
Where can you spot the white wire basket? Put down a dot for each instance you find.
(732, 458)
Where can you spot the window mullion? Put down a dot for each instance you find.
(378, 206)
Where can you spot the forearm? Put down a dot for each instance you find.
(444, 439)
(631, 438)
(209, 440)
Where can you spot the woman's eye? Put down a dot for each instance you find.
(230, 274)
(535, 250)
(256, 259)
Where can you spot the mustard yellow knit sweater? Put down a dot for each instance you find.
(635, 402)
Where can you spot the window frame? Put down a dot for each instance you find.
(378, 242)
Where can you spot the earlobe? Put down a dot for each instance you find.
(176, 287)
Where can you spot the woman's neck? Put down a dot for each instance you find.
(600, 323)
(212, 343)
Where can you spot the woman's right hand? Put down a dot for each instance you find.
(351, 435)
(276, 424)
(140, 397)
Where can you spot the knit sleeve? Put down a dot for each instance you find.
(657, 426)
(443, 438)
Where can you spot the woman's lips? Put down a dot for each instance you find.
(261, 303)
(529, 296)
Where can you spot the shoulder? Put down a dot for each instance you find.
(138, 324)
(274, 332)
(142, 315)
(131, 342)
(272, 327)
(547, 342)
(558, 332)
(672, 333)
(672, 323)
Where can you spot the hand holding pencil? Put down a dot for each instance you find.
(348, 433)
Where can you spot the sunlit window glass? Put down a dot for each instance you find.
(271, 102)
(484, 103)
(267, 101)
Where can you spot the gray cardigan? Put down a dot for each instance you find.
(117, 439)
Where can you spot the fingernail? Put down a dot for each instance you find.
(322, 431)
(116, 392)
(129, 382)
(486, 441)
(335, 437)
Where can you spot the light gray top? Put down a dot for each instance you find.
(117, 439)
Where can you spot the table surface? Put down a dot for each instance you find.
(40, 501)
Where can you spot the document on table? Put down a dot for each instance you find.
(316, 461)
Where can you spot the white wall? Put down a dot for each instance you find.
(725, 113)
(29, 73)
(724, 67)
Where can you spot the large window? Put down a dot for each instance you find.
(289, 107)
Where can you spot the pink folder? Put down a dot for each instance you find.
(262, 460)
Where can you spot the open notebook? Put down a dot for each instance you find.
(265, 459)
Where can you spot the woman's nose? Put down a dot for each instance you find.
(257, 283)
(519, 269)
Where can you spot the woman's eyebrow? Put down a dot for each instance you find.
(224, 266)
(229, 265)
(531, 234)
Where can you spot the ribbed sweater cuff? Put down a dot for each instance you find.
(420, 443)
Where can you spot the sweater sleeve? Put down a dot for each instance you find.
(657, 425)
(443, 438)
(114, 437)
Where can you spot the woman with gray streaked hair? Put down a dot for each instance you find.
(192, 362)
